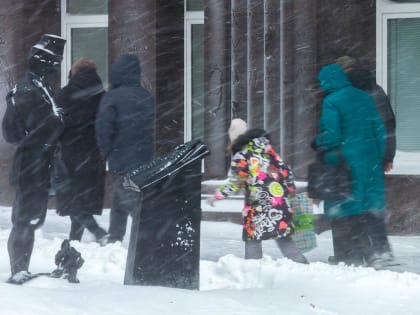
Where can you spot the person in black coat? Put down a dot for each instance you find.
(32, 121)
(125, 130)
(364, 80)
(80, 171)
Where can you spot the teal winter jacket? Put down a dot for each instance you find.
(350, 124)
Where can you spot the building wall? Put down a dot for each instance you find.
(315, 34)
(346, 27)
(154, 30)
(312, 34)
(403, 204)
(21, 25)
(294, 39)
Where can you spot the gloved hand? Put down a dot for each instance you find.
(388, 167)
(217, 196)
(313, 145)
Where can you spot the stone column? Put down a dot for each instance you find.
(287, 55)
(217, 83)
(255, 63)
(305, 83)
(272, 106)
(239, 58)
(170, 74)
(132, 29)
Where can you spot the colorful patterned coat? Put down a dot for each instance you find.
(268, 182)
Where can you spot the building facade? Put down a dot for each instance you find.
(208, 61)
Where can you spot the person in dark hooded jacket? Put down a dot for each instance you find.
(32, 121)
(351, 129)
(80, 171)
(125, 130)
(364, 80)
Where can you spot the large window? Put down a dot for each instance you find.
(84, 24)
(194, 72)
(195, 5)
(87, 7)
(85, 42)
(398, 66)
(404, 80)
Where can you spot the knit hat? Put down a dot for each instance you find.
(347, 63)
(237, 127)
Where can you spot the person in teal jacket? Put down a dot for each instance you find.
(351, 129)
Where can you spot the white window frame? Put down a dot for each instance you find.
(68, 22)
(191, 18)
(407, 163)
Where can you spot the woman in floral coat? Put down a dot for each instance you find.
(268, 183)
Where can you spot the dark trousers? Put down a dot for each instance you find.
(377, 232)
(350, 240)
(124, 202)
(20, 246)
(80, 222)
(253, 250)
(28, 214)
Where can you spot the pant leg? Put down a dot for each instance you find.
(20, 245)
(28, 214)
(350, 240)
(124, 202)
(76, 229)
(377, 232)
(341, 237)
(362, 246)
(253, 249)
(93, 227)
(289, 250)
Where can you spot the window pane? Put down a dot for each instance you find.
(195, 5)
(197, 84)
(79, 7)
(91, 43)
(404, 81)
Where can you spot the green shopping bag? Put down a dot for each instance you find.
(303, 220)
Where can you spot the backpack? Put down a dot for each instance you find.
(12, 125)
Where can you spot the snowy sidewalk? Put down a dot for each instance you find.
(229, 285)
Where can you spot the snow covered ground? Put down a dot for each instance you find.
(228, 284)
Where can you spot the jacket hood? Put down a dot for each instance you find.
(85, 83)
(332, 78)
(250, 137)
(126, 71)
(362, 79)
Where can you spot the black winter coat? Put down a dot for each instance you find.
(32, 121)
(363, 79)
(126, 120)
(80, 172)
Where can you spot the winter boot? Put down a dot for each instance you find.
(382, 261)
(331, 260)
(103, 240)
(20, 277)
